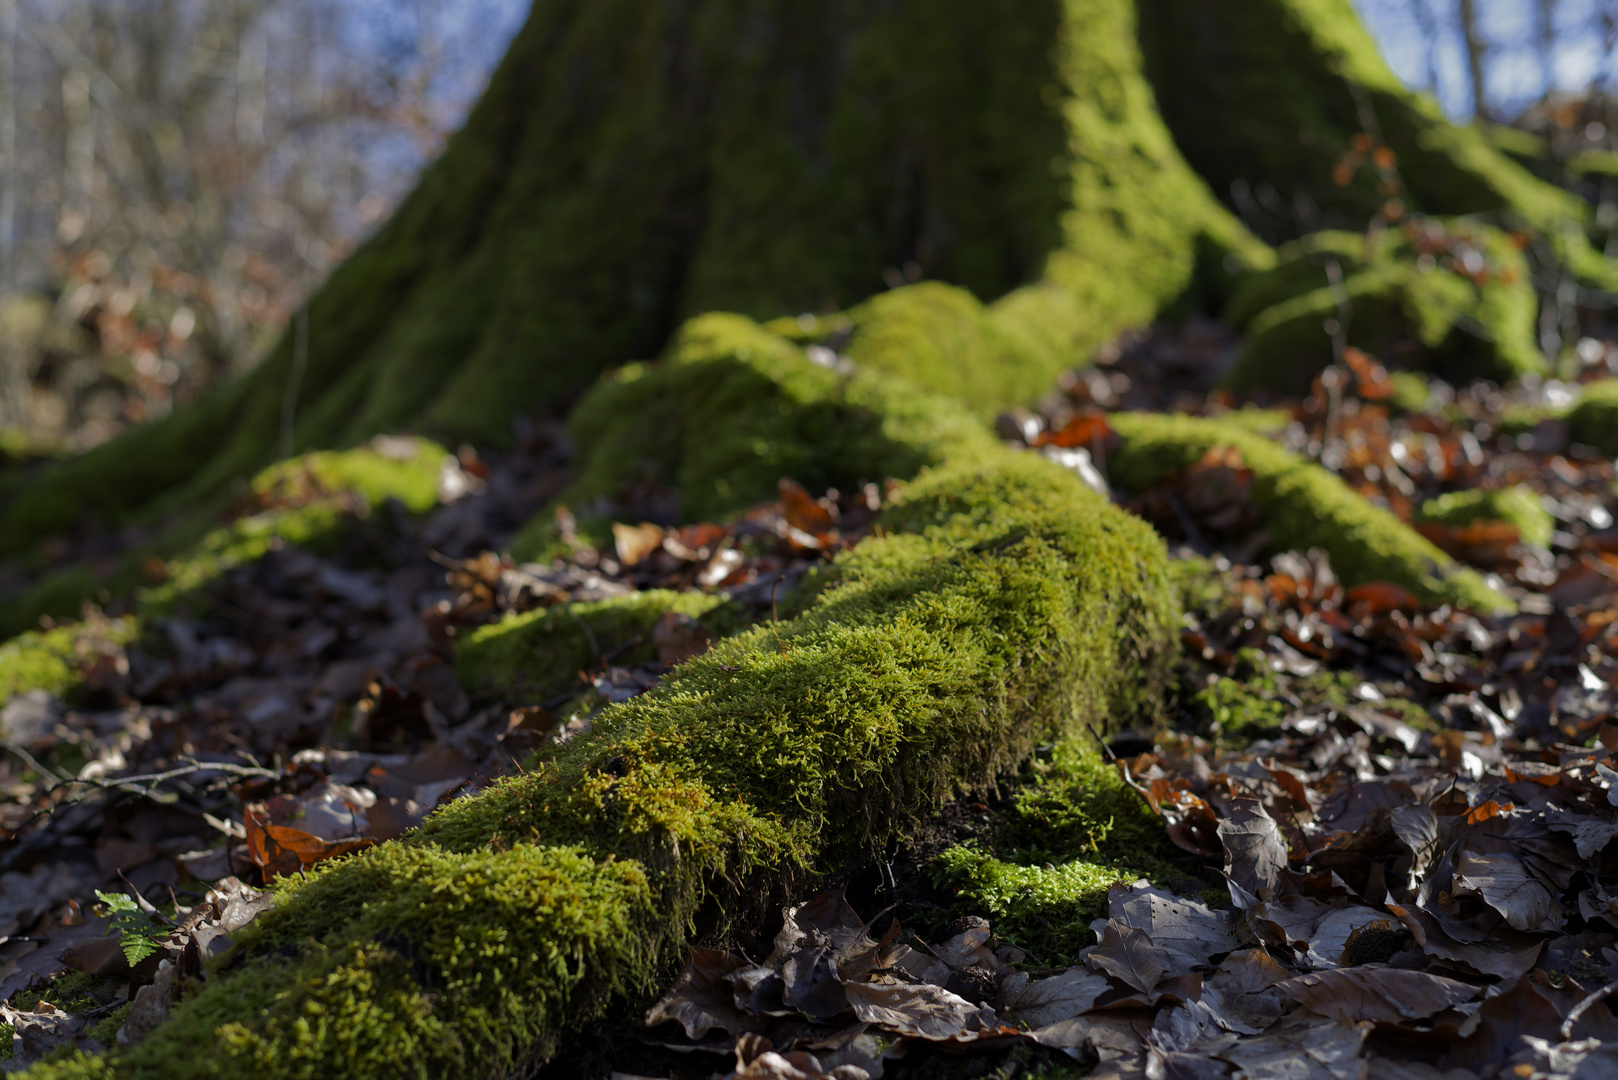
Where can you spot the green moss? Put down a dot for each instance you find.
(1007, 604)
(51, 659)
(105, 1030)
(1045, 910)
(1461, 329)
(1518, 506)
(312, 500)
(1302, 506)
(1411, 391)
(729, 411)
(535, 655)
(1593, 420)
(1304, 78)
(1270, 423)
(1075, 829)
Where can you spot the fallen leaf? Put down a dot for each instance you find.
(701, 998)
(1301, 1047)
(1520, 1009)
(1059, 997)
(635, 542)
(1255, 853)
(1187, 930)
(1505, 885)
(1591, 832)
(1373, 992)
(1129, 956)
(923, 1011)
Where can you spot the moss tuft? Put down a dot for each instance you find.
(1302, 506)
(1006, 605)
(1439, 316)
(1076, 828)
(538, 654)
(310, 501)
(51, 660)
(730, 410)
(1518, 506)
(1593, 420)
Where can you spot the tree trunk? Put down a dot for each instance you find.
(632, 164)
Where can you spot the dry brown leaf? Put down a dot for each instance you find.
(1255, 853)
(1374, 992)
(920, 1010)
(702, 999)
(1505, 884)
(1128, 955)
(1060, 997)
(635, 542)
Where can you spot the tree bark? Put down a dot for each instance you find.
(633, 164)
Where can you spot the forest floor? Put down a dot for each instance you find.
(1375, 832)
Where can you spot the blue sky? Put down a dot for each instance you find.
(1515, 74)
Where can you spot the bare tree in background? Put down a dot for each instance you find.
(1476, 50)
(177, 174)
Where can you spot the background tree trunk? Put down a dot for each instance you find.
(633, 164)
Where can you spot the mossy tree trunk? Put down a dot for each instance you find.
(634, 163)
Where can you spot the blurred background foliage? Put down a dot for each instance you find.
(177, 175)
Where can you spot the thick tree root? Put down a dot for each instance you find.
(1007, 605)
(1303, 506)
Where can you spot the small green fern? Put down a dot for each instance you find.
(136, 934)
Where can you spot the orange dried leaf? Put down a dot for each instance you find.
(804, 512)
(1379, 598)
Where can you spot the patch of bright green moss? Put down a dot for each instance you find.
(51, 659)
(1270, 423)
(1076, 829)
(1005, 605)
(105, 1030)
(1593, 420)
(1301, 505)
(313, 499)
(1462, 328)
(537, 654)
(729, 411)
(1518, 506)
(1411, 391)
(1253, 699)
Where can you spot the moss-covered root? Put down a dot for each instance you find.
(308, 500)
(731, 409)
(1306, 78)
(538, 654)
(1006, 605)
(1302, 506)
(1517, 506)
(1593, 421)
(1453, 298)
